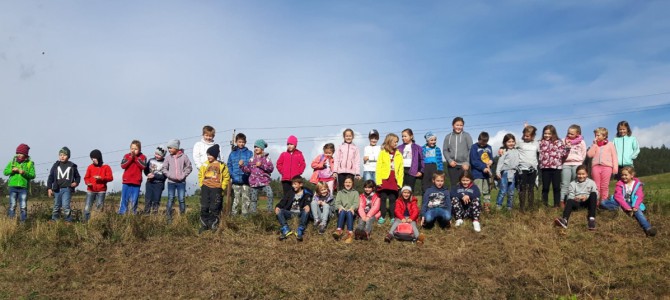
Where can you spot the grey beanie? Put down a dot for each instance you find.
(174, 144)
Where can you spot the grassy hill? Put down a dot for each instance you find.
(517, 255)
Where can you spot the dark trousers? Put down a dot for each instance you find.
(454, 173)
(526, 185)
(210, 205)
(152, 196)
(551, 177)
(286, 187)
(408, 180)
(427, 180)
(591, 203)
(391, 196)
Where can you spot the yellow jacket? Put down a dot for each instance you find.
(223, 170)
(384, 167)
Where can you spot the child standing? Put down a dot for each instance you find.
(626, 145)
(551, 162)
(133, 164)
(582, 192)
(629, 195)
(259, 168)
(96, 178)
(294, 203)
(506, 169)
(436, 205)
(529, 151)
(236, 160)
(406, 211)
(575, 153)
(368, 211)
(457, 151)
(346, 203)
(155, 181)
(63, 178)
(201, 146)
(347, 159)
(432, 160)
(481, 159)
(176, 168)
(320, 206)
(20, 170)
(412, 158)
(290, 164)
(370, 155)
(322, 166)
(465, 201)
(389, 175)
(213, 178)
(604, 163)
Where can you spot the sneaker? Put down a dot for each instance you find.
(215, 224)
(284, 232)
(337, 234)
(561, 222)
(350, 238)
(420, 239)
(477, 227)
(592, 224)
(392, 220)
(651, 231)
(301, 232)
(202, 229)
(322, 229)
(381, 221)
(388, 238)
(459, 222)
(316, 223)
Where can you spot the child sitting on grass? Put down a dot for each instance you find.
(436, 206)
(320, 206)
(629, 195)
(465, 201)
(346, 202)
(368, 211)
(294, 203)
(406, 211)
(581, 192)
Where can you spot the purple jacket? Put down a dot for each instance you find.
(259, 176)
(417, 158)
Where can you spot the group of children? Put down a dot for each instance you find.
(389, 171)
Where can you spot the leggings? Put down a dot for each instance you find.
(391, 196)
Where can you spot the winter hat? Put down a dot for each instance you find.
(65, 150)
(22, 149)
(214, 150)
(261, 144)
(429, 135)
(174, 144)
(407, 187)
(292, 140)
(373, 133)
(160, 150)
(97, 155)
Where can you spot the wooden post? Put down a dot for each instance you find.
(229, 203)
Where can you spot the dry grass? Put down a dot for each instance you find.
(515, 256)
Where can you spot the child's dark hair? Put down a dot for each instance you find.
(329, 146)
(138, 144)
(410, 133)
(483, 136)
(624, 124)
(552, 131)
(582, 167)
(439, 174)
(374, 134)
(457, 119)
(297, 179)
(530, 129)
(370, 184)
(466, 174)
(241, 136)
(506, 138)
(348, 176)
(348, 130)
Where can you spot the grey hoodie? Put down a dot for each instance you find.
(582, 188)
(456, 147)
(509, 162)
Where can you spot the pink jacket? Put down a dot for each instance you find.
(576, 155)
(319, 165)
(619, 196)
(604, 156)
(291, 164)
(374, 206)
(347, 159)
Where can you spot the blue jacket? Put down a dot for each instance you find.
(236, 173)
(478, 158)
(432, 156)
(434, 197)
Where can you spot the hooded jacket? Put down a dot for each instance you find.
(577, 153)
(20, 180)
(259, 175)
(287, 201)
(133, 168)
(62, 175)
(478, 158)
(456, 147)
(98, 185)
(375, 205)
(290, 164)
(200, 152)
(236, 173)
(323, 166)
(636, 198)
(459, 191)
(223, 174)
(177, 167)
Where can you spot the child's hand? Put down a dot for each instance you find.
(241, 163)
(453, 164)
(74, 184)
(50, 193)
(97, 177)
(151, 175)
(366, 158)
(466, 199)
(634, 209)
(489, 163)
(276, 210)
(498, 177)
(419, 174)
(258, 164)
(352, 211)
(340, 210)
(465, 167)
(422, 220)
(357, 177)
(320, 202)
(306, 208)
(89, 184)
(487, 171)
(15, 170)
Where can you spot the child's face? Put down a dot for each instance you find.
(600, 136)
(465, 181)
(240, 143)
(527, 137)
(623, 131)
(348, 183)
(626, 176)
(406, 194)
(290, 147)
(394, 143)
(572, 133)
(438, 182)
(373, 141)
(546, 134)
(62, 157)
(208, 137)
(158, 156)
(134, 149)
(368, 190)
(328, 153)
(297, 186)
(458, 127)
(258, 151)
(582, 175)
(482, 142)
(211, 158)
(324, 191)
(94, 161)
(20, 156)
(406, 138)
(348, 137)
(431, 142)
(173, 151)
(510, 144)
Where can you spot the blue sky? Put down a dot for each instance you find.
(156, 70)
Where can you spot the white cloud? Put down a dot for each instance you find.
(653, 136)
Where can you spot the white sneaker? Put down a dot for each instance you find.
(459, 222)
(476, 226)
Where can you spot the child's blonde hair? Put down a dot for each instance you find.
(629, 170)
(320, 186)
(387, 142)
(601, 130)
(577, 128)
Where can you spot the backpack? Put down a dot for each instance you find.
(404, 232)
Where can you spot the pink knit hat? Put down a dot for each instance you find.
(292, 140)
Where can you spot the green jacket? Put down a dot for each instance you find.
(20, 180)
(347, 200)
(627, 149)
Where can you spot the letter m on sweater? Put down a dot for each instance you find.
(64, 174)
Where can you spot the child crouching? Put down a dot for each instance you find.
(406, 211)
(368, 211)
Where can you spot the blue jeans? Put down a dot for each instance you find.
(129, 194)
(180, 189)
(639, 215)
(99, 203)
(62, 199)
(20, 194)
(439, 214)
(506, 187)
(347, 216)
(284, 215)
(368, 175)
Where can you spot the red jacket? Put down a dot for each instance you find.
(375, 204)
(98, 185)
(291, 164)
(133, 166)
(400, 206)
